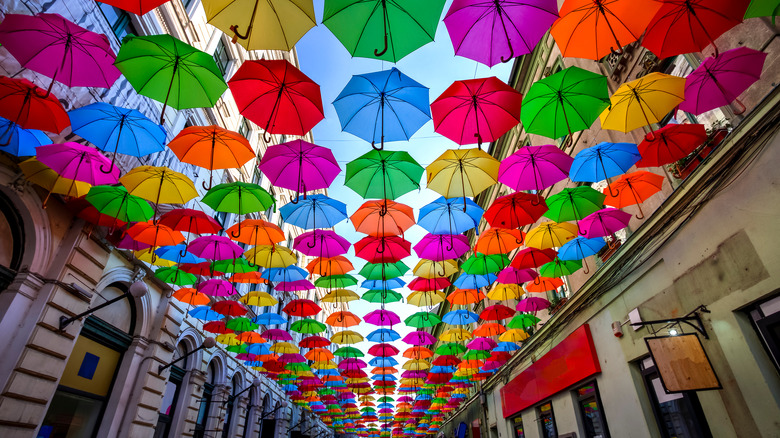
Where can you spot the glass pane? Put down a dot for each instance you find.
(169, 396)
(591, 416)
(519, 433)
(677, 416)
(548, 423)
(70, 416)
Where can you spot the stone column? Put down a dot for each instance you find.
(217, 411)
(191, 400)
(238, 422)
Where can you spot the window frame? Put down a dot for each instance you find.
(223, 50)
(540, 418)
(123, 22)
(597, 396)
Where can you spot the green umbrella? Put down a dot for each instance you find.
(114, 201)
(348, 352)
(385, 399)
(422, 319)
(295, 366)
(239, 349)
(241, 324)
(523, 321)
(170, 71)
(573, 204)
(374, 271)
(476, 354)
(481, 264)
(383, 29)
(368, 409)
(174, 275)
(239, 198)
(559, 268)
(565, 102)
(383, 174)
(335, 281)
(233, 266)
(450, 349)
(382, 296)
(763, 8)
(308, 326)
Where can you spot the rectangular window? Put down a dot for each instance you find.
(119, 20)
(518, 425)
(186, 3)
(592, 414)
(221, 57)
(547, 420)
(766, 321)
(243, 128)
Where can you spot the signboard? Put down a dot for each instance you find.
(682, 363)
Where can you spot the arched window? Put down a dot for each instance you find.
(12, 244)
(171, 394)
(231, 404)
(205, 401)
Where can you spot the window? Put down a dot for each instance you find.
(592, 414)
(517, 422)
(547, 420)
(119, 20)
(231, 403)
(221, 57)
(244, 128)
(766, 321)
(171, 393)
(205, 403)
(186, 3)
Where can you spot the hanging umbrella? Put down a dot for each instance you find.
(686, 26)
(604, 161)
(498, 241)
(592, 29)
(277, 97)
(429, 284)
(719, 81)
(581, 248)
(674, 142)
(550, 235)
(381, 317)
(251, 277)
(383, 271)
(155, 235)
(137, 7)
(216, 288)
(425, 298)
(116, 202)
(325, 266)
(461, 173)
(604, 222)
(20, 142)
(76, 161)
(512, 275)
(177, 254)
(534, 168)
(763, 8)
(300, 166)
(558, 268)
(460, 317)
(382, 29)
(289, 273)
(450, 216)
(515, 210)
(481, 264)
(24, 104)
(489, 32)
(383, 218)
(191, 297)
(262, 25)
(239, 198)
(331, 281)
(57, 48)
(422, 320)
(474, 281)
(382, 296)
(214, 248)
(383, 174)
(256, 232)
(633, 189)
(342, 319)
(159, 185)
(315, 211)
(532, 305)
(505, 292)
(321, 243)
(339, 296)
(271, 256)
(476, 110)
(190, 221)
(366, 98)
(40, 174)
(573, 204)
(439, 247)
(432, 269)
(301, 307)
(169, 71)
(642, 102)
(387, 249)
(229, 308)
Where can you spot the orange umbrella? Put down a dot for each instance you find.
(251, 338)
(253, 277)
(632, 189)
(418, 353)
(211, 147)
(465, 296)
(343, 319)
(543, 284)
(327, 266)
(499, 241)
(384, 370)
(155, 235)
(592, 28)
(191, 296)
(383, 218)
(319, 355)
(490, 329)
(256, 232)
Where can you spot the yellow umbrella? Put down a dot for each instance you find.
(159, 185)
(271, 256)
(550, 235)
(456, 335)
(257, 298)
(462, 172)
(284, 348)
(504, 292)
(40, 174)
(513, 335)
(327, 365)
(357, 380)
(147, 255)
(466, 372)
(228, 339)
(643, 101)
(425, 298)
(416, 365)
(340, 296)
(262, 24)
(346, 337)
(430, 269)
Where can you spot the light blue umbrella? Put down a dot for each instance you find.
(507, 346)
(290, 273)
(269, 318)
(20, 142)
(579, 248)
(383, 335)
(316, 211)
(460, 317)
(383, 362)
(174, 253)
(603, 161)
(384, 377)
(474, 281)
(205, 313)
(448, 216)
(392, 283)
(259, 349)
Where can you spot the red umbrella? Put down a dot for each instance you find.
(388, 249)
(533, 258)
(446, 360)
(190, 221)
(429, 284)
(496, 313)
(137, 7)
(229, 308)
(202, 268)
(383, 350)
(672, 143)
(277, 96)
(303, 308)
(515, 210)
(314, 342)
(476, 110)
(217, 327)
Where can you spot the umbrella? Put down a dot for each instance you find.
(155, 235)
(674, 142)
(573, 204)
(325, 266)
(461, 173)
(315, 211)
(332, 281)
(550, 235)
(239, 198)
(262, 25)
(116, 129)
(175, 276)
(216, 288)
(429, 284)
(383, 271)
(719, 81)
(431, 269)
(346, 337)
(214, 248)
(515, 210)
(177, 254)
(277, 96)
(425, 298)
(489, 32)
(339, 296)
(211, 147)
(229, 308)
(382, 296)
(481, 264)
(382, 317)
(137, 7)
(300, 166)
(604, 222)
(116, 202)
(604, 161)
(57, 48)
(383, 174)
(159, 185)
(190, 221)
(271, 256)
(476, 110)
(559, 268)
(20, 142)
(498, 241)
(633, 189)
(505, 292)
(321, 243)
(460, 317)
(534, 168)
(532, 305)
(512, 275)
(362, 26)
(169, 71)
(566, 102)
(474, 281)
(592, 29)
(191, 297)
(686, 26)
(440, 247)
(256, 232)
(383, 218)
(447, 216)
(580, 248)
(301, 307)
(386, 249)
(383, 335)
(342, 319)
(763, 8)
(421, 320)
(40, 174)
(289, 273)
(22, 103)
(76, 161)
(642, 102)
(362, 104)
(260, 299)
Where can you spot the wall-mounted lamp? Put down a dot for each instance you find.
(137, 290)
(207, 343)
(255, 384)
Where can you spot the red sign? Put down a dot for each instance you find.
(569, 362)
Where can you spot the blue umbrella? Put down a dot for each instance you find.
(460, 317)
(384, 377)
(117, 130)
(259, 349)
(447, 216)
(580, 248)
(392, 283)
(383, 106)
(20, 142)
(269, 318)
(205, 313)
(328, 372)
(383, 362)
(603, 161)
(314, 211)
(383, 335)
(174, 254)
(290, 273)
(474, 281)
(507, 346)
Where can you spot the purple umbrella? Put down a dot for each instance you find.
(352, 363)
(603, 222)
(292, 358)
(419, 338)
(512, 275)
(719, 81)
(440, 247)
(294, 286)
(409, 374)
(482, 344)
(499, 30)
(77, 162)
(217, 288)
(214, 248)
(534, 167)
(276, 335)
(300, 166)
(321, 243)
(382, 317)
(532, 304)
(127, 242)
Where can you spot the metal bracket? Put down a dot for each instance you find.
(692, 319)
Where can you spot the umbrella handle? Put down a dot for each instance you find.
(616, 52)
(538, 200)
(641, 213)
(235, 234)
(102, 167)
(381, 145)
(183, 253)
(479, 140)
(267, 137)
(234, 29)
(206, 188)
(311, 244)
(650, 136)
(587, 269)
(511, 54)
(377, 52)
(740, 105)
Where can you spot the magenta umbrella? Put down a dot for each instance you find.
(321, 243)
(496, 31)
(532, 304)
(214, 248)
(382, 317)
(127, 242)
(418, 338)
(217, 288)
(534, 167)
(77, 162)
(439, 247)
(603, 222)
(300, 166)
(57, 48)
(294, 286)
(719, 81)
(276, 335)
(352, 363)
(482, 344)
(512, 275)
(429, 284)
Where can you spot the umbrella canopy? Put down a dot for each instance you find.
(239, 198)
(301, 307)
(532, 304)
(450, 216)
(383, 174)
(381, 317)
(321, 243)
(633, 189)
(481, 264)
(515, 210)
(326, 266)
(256, 232)
(20, 142)
(159, 185)
(383, 218)
(461, 173)
(190, 221)
(155, 235)
(572, 204)
(116, 202)
(603, 223)
(603, 161)
(300, 166)
(170, 71)
(382, 29)
(271, 256)
(498, 241)
(550, 235)
(383, 271)
(534, 167)
(643, 101)
(24, 104)
(673, 142)
(432, 269)
(315, 211)
(559, 268)
(387, 249)
(476, 110)
(580, 248)
(214, 248)
(439, 247)
(137, 7)
(262, 25)
(362, 104)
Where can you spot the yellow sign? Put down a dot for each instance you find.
(91, 367)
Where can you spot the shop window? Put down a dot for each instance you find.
(547, 421)
(591, 410)
(679, 415)
(222, 57)
(517, 423)
(205, 403)
(766, 320)
(119, 20)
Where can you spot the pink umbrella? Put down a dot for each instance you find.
(127, 242)
(719, 81)
(292, 358)
(77, 162)
(512, 275)
(482, 344)
(276, 335)
(382, 317)
(604, 222)
(321, 243)
(352, 363)
(54, 47)
(300, 166)
(383, 350)
(214, 248)
(217, 288)
(385, 249)
(419, 338)
(532, 304)
(294, 286)
(440, 247)
(534, 167)
(429, 284)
